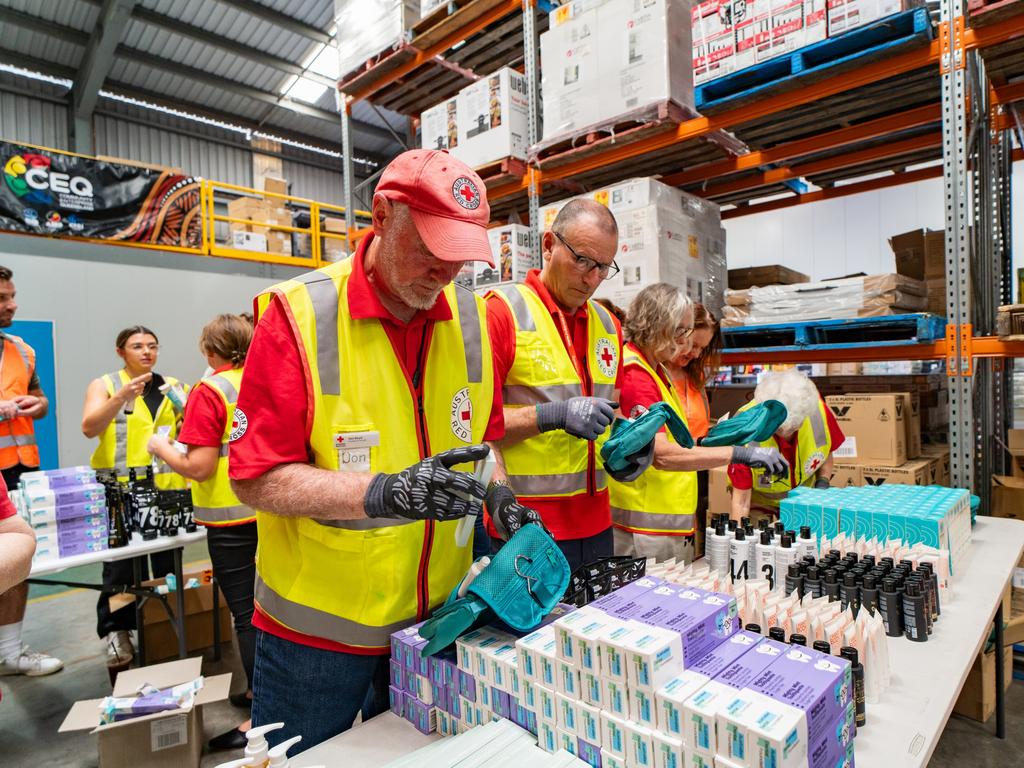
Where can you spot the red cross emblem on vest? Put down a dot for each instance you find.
(607, 357)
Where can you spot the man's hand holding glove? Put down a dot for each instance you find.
(584, 417)
(429, 489)
(768, 459)
(507, 514)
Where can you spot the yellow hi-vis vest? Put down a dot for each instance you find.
(213, 501)
(659, 501)
(555, 464)
(123, 442)
(813, 445)
(356, 582)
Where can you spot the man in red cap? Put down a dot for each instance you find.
(369, 391)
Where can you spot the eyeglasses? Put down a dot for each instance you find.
(146, 347)
(684, 333)
(584, 264)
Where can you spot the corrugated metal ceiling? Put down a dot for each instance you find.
(242, 70)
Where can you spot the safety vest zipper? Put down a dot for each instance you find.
(423, 572)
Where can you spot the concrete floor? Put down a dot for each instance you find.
(33, 708)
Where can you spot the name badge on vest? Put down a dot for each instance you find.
(354, 450)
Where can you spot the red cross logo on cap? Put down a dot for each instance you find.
(466, 193)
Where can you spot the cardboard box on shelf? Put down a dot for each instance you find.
(172, 739)
(773, 274)
(491, 117)
(978, 696)
(275, 185)
(713, 39)
(844, 15)
(369, 27)
(875, 429)
(1015, 445)
(279, 243)
(844, 475)
(719, 491)
(439, 126)
(844, 369)
(914, 426)
(911, 473)
(1007, 497)
(510, 247)
(249, 241)
(162, 642)
(334, 224)
(753, 33)
(728, 399)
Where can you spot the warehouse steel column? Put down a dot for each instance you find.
(347, 167)
(530, 62)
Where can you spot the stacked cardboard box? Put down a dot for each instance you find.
(483, 123)
(844, 15)
(513, 258)
(931, 391)
(369, 27)
(333, 249)
(871, 296)
(665, 235)
(921, 255)
(262, 213)
(602, 60)
(774, 274)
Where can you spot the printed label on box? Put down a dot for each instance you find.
(168, 732)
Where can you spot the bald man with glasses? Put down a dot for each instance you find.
(558, 355)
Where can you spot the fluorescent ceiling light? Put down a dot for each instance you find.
(306, 90)
(32, 75)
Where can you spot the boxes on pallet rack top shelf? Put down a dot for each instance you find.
(367, 28)
(603, 59)
(665, 235)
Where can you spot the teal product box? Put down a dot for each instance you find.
(880, 524)
(863, 523)
(830, 516)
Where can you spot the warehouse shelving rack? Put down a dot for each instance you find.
(890, 119)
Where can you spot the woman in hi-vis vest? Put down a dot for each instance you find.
(654, 514)
(692, 371)
(124, 409)
(230, 525)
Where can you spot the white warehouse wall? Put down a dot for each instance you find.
(846, 235)
(91, 292)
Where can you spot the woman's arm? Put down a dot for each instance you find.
(674, 458)
(100, 408)
(198, 464)
(740, 504)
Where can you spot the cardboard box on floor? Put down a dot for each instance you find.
(978, 696)
(916, 472)
(1015, 445)
(719, 492)
(1008, 497)
(844, 475)
(172, 739)
(875, 428)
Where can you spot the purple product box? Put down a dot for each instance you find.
(422, 716)
(704, 619)
(439, 696)
(588, 753)
(834, 748)
(397, 675)
(80, 535)
(618, 600)
(82, 509)
(440, 666)
(501, 703)
(815, 683)
(721, 656)
(76, 494)
(87, 523)
(467, 686)
(741, 673)
(518, 716)
(396, 700)
(79, 547)
(454, 703)
(407, 646)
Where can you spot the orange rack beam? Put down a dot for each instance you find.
(981, 346)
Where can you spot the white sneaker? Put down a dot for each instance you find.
(119, 647)
(31, 664)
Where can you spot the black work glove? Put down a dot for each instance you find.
(768, 459)
(821, 482)
(430, 489)
(638, 462)
(508, 514)
(585, 417)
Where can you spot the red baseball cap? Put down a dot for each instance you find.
(447, 200)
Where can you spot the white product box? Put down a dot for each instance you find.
(815, 21)
(731, 725)
(639, 746)
(500, 669)
(592, 689)
(612, 648)
(714, 39)
(642, 707)
(513, 257)
(41, 516)
(699, 713)
(567, 741)
(564, 646)
(528, 695)
(616, 698)
(844, 15)
(786, 28)
(668, 751)
(670, 698)
(569, 70)
(466, 276)
(653, 658)
(589, 726)
(611, 760)
(613, 734)
(568, 716)
(696, 758)
(249, 241)
(531, 649)
(547, 704)
(492, 119)
(47, 540)
(587, 642)
(567, 679)
(753, 33)
(439, 126)
(368, 27)
(547, 735)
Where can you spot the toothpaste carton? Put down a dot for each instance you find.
(699, 716)
(653, 658)
(616, 698)
(639, 746)
(715, 661)
(612, 649)
(592, 689)
(589, 752)
(586, 639)
(611, 760)
(589, 725)
(668, 751)
(566, 741)
(568, 714)
(704, 619)
(547, 704)
(669, 700)
(742, 672)
(696, 758)
(567, 679)
(613, 735)
(776, 734)
(547, 735)
(565, 626)
(643, 708)
(531, 649)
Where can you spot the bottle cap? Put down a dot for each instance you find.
(888, 585)
(926, 568)
(805, 531)
(793, 570)
(766, 538)
(741, 535)
(830, 577)
(888, 561)
(792, 535)
(749, 530)
(908, 563)
(809, 559)
(732, 525)
(763, 524)
(822, 646)
(870, 582)
(256, 744)
(744, 521)
(720, 529)
(813, 574)
(849, 580)
(780, 527)
(869, 559)
(753, 628)
(777, 633)
(796, 639)
(913, 589)
(787, 541)
(279, 754)
(849, 653)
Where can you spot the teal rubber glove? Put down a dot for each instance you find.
(754, 425)
(630, 449)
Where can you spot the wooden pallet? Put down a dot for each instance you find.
(984, 12)
(1010, 322)
(502, 171)
(835, 334)
(827, 58)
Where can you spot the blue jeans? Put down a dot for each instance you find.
(315, 693)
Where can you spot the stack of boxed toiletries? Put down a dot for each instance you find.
(67, 510)
(929, 515)
(651, 676)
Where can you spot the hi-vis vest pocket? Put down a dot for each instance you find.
(356, 446)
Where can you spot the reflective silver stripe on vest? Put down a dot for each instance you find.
(323, 295)
(223, 514)
(630, 518)
(225, 387)
(120, 428)
(312, 621)
(14, 441)
(469, 319)
(549, 485)
(521, 394)
(818, 428)
(605, 317)
(607, 391)
(366, 523)
(524, 319)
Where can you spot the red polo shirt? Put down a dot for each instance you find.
(741, 477)
(7, 508)
(639, 389)
(574, 517)
(278, 403)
